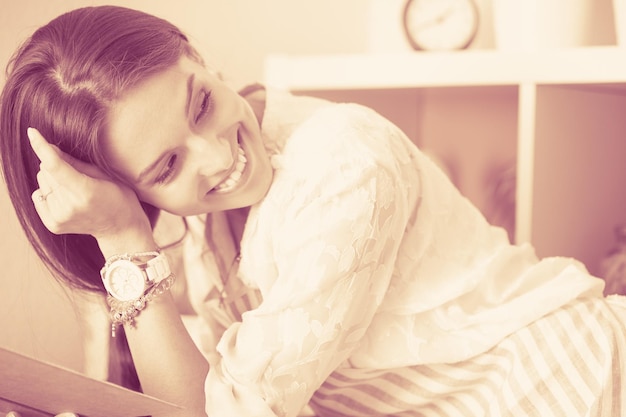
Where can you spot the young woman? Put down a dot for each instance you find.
(331, 262)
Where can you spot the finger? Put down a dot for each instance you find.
(47, 185)
(85, 168)
(46, 153)
(39, 201)
(38, 196)
(53, 159)
(45, 181)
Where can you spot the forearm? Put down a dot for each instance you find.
(169, 365)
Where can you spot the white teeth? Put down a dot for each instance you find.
(232, 180)
(237, 174)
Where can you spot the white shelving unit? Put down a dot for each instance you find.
(558, 116)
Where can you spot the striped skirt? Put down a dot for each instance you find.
(571, 362)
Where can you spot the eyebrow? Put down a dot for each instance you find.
(142, 176)
(189, 92)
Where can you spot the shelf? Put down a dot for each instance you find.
(555, 116)
(589, 65)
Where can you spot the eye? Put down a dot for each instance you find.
(170, 167)
(205, 105)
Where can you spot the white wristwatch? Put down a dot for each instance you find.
(126, 278)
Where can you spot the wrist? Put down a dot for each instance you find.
(132, 281)
(130, 241)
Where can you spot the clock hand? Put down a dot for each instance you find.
(444, 15)
(434, 21)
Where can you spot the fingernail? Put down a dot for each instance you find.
(12, 414)
(30, 132)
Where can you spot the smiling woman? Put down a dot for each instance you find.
(330, 263)
(181, 135)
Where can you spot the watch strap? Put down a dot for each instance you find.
(157, 269)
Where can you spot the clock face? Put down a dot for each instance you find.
(439, 25)
(125, 280)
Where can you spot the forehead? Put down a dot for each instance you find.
(158, 93)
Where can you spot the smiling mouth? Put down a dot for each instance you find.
(233, 179)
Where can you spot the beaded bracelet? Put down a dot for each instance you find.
(124, 312)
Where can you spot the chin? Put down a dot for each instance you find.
(251, 196)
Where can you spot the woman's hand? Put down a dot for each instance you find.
(75, 197)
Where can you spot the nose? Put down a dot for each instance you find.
(209, 156)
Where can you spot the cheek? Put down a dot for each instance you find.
(177, 195)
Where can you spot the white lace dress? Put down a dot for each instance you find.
(374, 273)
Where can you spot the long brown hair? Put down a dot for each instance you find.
(63, 81)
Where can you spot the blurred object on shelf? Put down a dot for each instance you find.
(613, 267)
(619, 19)
(538, 24)
(501, 187)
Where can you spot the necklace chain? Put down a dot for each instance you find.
(232, 270)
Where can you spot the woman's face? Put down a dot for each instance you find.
(187, 143)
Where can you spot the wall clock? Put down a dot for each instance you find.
(440, 25)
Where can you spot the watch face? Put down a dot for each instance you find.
(440, 24)
(124, 280)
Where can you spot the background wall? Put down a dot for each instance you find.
(36, 316)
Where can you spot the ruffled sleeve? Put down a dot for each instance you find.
(321, 248)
